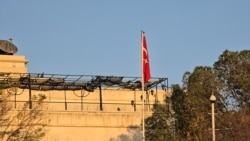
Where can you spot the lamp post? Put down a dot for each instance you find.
(213, 100)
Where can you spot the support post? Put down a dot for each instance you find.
(213, 122)
(100, 89)
(213, 100)
(30, 95)
(65, 101)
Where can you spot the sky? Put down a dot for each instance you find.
(97, 37)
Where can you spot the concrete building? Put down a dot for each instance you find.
(82, 107)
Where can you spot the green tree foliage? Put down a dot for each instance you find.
(24, 124)
(229, 81)
(180, 112)
(191, 105)
(134, 134)
(233, 70)
(159, 126)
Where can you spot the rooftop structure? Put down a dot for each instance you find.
(106, 106)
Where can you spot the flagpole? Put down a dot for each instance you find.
(142, 87)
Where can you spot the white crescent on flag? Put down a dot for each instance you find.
(145, 50)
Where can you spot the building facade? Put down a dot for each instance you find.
(83, 107)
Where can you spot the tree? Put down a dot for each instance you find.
(191, 104)
(22, 125)
(229, 81)
(159, 126)
(180, 111)
(233, 70)
(134, 134)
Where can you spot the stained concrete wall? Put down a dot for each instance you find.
(94, 126)
(13, 64)
(84, 120)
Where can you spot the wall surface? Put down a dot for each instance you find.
(73, 120)
(13, 64)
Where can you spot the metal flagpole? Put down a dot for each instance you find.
(142, 87)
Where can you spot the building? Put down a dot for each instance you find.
(81, 107)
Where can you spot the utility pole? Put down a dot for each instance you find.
(213, 100)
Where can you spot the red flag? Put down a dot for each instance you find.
(146, 68)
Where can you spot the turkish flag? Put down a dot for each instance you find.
(146, 67)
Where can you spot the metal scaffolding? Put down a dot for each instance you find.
(65, 82)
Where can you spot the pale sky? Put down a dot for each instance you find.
(91, 37)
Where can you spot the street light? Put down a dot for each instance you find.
(213, 100)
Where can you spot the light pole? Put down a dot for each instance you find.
(213, 100)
